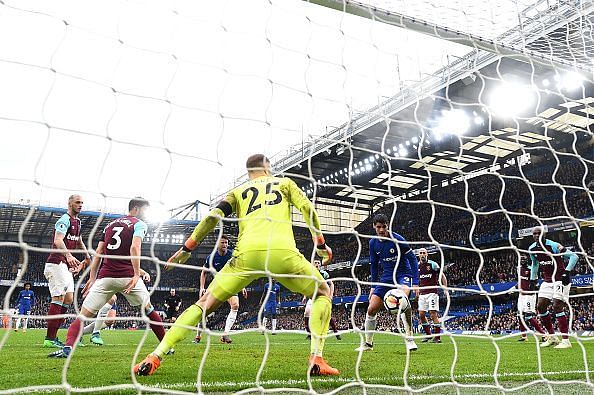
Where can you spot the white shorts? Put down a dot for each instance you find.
(429, 302)
(307, 308)
(527, 303)
(59, 279)
(105, 288)
(554, 290)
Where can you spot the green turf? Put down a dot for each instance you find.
(235, 367)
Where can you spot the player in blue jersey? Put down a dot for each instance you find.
(393, 265)
(215, 262)
(26, 301)
(272, 301)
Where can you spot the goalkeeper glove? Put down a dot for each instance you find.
(182, 255)
(566, 278)
(323, 250)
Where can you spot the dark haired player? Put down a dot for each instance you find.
(26, 301)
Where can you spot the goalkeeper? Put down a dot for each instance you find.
(265, 246)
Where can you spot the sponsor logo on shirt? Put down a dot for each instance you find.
(72, 237)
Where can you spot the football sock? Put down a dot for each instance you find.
(53, 324)
(370, 324)
(264, 322)
(17, 324)
(321, 309)
(273, 324)
(547, 322)
(437, 329)
(190, 317)
(407, 321)
(306, 319)
(230, 321)
(156, 324)
(64, 310)
(333, 324)
(426, 328)
(25, 323)
(73, 332)
(563, 324)
(100, 323)
(536, 325)
(523, 328)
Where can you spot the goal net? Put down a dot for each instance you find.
(468, 124)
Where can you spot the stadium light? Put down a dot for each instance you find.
(571, 81)
(388, 151)
(403, 151)
(407, 142)
(357, 171)
(376, 156)
(372, 159)
(478, 120)
(509, 100)
(452, 122)
(368, 167)
(546, 82)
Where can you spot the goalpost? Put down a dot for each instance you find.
(417, 109)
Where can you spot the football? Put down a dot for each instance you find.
(396, 301)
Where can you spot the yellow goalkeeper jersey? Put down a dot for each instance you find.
(263, 208)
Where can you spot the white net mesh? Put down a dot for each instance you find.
(467, 123)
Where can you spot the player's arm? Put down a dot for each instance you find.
(410, 256)
(331, 285)
(224, 209)
(82, 246)
(61, 227)
(298, 199)
(145, 276)
(95, 262)
(571, 259)
(140, 229)
(202, 282)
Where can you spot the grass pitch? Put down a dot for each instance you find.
(229, 368)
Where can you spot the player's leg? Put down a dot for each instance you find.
(375, 304)
(436, 325)
(101, 291)
(26, 320)
(405, 284)
(545, 295)
(306, 315)
(17, 323)
(423, 307)
(140, 296)
(95, 327)
(231, 317)
(58, 285)
(313, 286)
(229, 281)
(560, 300)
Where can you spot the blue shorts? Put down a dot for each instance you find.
(269, 311)
(381, 290)
(24, 310)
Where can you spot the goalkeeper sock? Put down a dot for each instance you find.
(230, 321)
(321, 309)
(189, 318)
(273, 324)
(547, 322)
(53, 323)
(563, 324)
(73, 332)
(370, 324)
(426, 328)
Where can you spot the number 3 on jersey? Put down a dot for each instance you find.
(117, 241)
(270, 200)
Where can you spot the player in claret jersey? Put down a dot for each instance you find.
(119, 273)
(527, 300)
(428, 297)
(265, 246)
(26, 302)
(392, 262)
(60, 266)
(550, 257)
